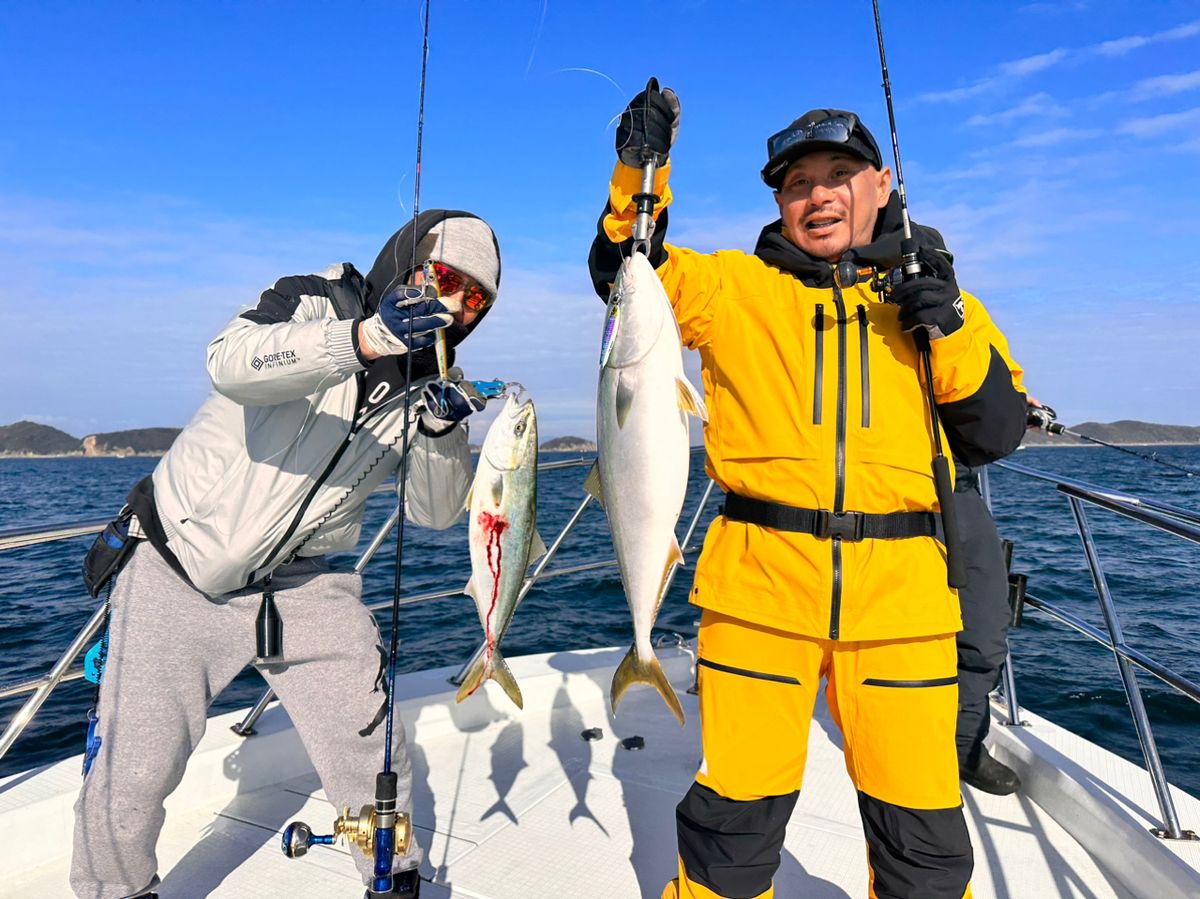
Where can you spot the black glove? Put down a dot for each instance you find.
(931, 300)
(406, 309)
(651, 120)
(449, 402)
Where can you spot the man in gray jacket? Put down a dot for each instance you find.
(270, 475)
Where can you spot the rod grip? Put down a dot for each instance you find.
(956, 565)
(385, 831)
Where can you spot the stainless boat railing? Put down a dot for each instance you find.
(1165, 517)
(61, 672)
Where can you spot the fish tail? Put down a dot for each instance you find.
(496, 669)
(475, 676)
(635, 670)
(502, 675)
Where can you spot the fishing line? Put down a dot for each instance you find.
(1189, 472)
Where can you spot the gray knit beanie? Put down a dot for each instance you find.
(467, 245)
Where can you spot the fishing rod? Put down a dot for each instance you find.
(643, 224)
(910, 268)
(1044, 419)
(643, 228)
(378, 829)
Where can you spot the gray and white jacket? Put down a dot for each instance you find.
(282, 457)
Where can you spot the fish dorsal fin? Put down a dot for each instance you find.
(624, 401)
(675, 554)
(470, 590)
(591, 484)
(690, 400)
(537, 547)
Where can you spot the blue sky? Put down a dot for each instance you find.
(161, 163)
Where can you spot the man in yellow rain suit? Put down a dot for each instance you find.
(828, 561)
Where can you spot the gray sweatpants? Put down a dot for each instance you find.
(171, 651)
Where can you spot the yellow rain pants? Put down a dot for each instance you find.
(895, 703)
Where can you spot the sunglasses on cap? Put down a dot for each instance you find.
(835, 129)
(449, 281)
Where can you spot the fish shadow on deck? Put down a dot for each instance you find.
(652, 780)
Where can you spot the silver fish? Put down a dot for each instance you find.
(503, 536)
(642, 470)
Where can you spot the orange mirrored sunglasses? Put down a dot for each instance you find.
(449, 281)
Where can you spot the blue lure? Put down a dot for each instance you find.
(611, 320)
(490, 389)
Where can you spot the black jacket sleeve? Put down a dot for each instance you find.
(988, 424)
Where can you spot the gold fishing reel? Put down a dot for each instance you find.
(359, 830)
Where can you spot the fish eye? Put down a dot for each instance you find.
(520, 428)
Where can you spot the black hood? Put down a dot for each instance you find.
(883, 252)
(394, 265)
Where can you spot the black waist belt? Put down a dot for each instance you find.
(853, 526)
(141, 500)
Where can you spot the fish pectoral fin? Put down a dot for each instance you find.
(624, 401)
(537, 547)
(498, 491)
(690, 400)
(470, 496)
(591, 484)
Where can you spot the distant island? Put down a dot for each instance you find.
(1124, 432)
(28, 439)
(568, 445)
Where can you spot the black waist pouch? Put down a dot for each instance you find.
(108, 552)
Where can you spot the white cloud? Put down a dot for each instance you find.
(737, 231)
(1149, 89)
(1070, 6)
(954, 95)
(1121, 46)
(128, 296)
(1165, 85)
(1152, 126)
(1054, 136)
(1017, 69)
(1029, 65)
(1037, 105)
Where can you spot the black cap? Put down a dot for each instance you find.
(818, 129)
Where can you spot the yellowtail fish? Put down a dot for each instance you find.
(503, 536)
(641, 474)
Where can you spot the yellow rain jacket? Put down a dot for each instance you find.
(815, 401)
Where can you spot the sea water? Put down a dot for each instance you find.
(1154, 579)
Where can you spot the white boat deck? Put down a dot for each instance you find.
(516, 805)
